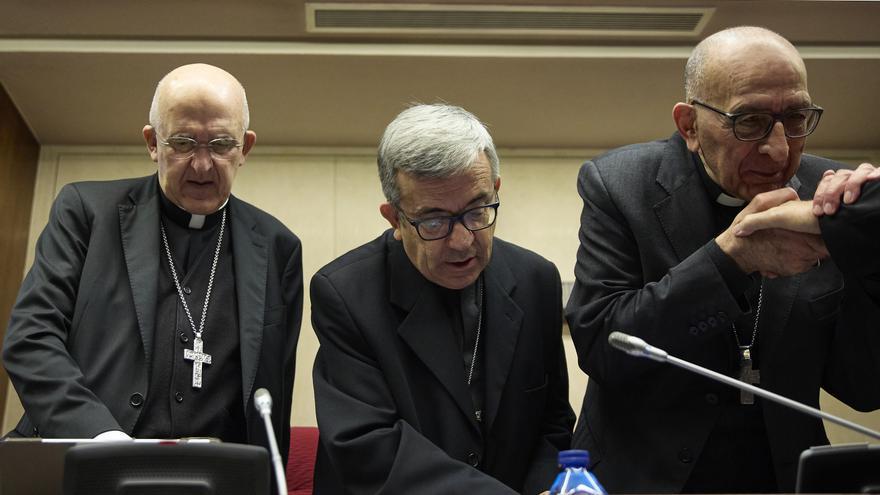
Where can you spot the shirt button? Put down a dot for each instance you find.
(178, 396)
(187, 290)
(685, 456)
(136, 400)
(184, 338)
(693, 330)
(712, 399)
(473, 459)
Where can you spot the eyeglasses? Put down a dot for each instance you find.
(473, 219)
(754, 126)
(185, 147)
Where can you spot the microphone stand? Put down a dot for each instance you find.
(263, 403)
(635, 346)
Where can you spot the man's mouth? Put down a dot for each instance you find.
(762, 177)
(461, 264)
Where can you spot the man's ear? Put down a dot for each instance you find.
(389, 212)
(152, 145)
(685, 117)
(250, 138)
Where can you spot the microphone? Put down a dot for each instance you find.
(263, 403)
(635, 346)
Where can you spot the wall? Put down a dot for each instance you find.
(18, 166)
(330, 198)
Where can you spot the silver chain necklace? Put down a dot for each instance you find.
(196, 354)
(479, 326)
(747, 373)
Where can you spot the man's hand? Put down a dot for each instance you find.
(796, 216)
(843, 183)
(772, 252)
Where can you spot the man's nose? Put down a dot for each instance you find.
(202, 161)
(775, 144)
(460, 237)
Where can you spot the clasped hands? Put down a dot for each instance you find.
(778, 235)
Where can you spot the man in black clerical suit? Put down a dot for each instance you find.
(441, 368)
(659, 258)
(156, 306)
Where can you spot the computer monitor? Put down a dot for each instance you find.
(124, 468)
(851, 468)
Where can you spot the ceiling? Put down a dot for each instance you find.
(84, 72)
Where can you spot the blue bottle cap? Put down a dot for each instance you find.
(574, 458)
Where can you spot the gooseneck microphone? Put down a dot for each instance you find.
(635, 346)
(263, 403)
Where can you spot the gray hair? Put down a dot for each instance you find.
(698, 67)
(155, 117)
(432, 141)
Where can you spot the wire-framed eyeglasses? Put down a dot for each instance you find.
(185, 147)
(754, 126)
(439, 227)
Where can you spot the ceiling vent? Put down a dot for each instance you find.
(494, 20)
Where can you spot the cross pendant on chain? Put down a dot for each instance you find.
(198, 358)
(747, 374)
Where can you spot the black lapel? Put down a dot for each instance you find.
(426, 329)
(687, 200)
(504, 321)
(139, 230)
(251, 261)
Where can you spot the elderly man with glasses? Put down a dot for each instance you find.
(157, 306)
(660, 258)
(441, 368)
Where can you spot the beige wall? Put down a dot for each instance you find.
(330, 198)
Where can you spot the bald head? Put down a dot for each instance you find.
(198, 83)
(195, 108)
(720, 58)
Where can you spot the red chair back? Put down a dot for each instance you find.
(301, 460)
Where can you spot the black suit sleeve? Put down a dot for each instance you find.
(48, 381)
(372, 450)
(853, 239)
(853, 234)
(292, 293)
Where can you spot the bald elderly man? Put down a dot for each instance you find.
(156, 306)
(659, 258)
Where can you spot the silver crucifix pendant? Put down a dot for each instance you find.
(198, 358)
(747, 374)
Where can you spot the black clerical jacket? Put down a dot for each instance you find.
(79, 342)
(391, 392)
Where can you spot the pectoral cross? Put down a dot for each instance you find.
(747, 374)
(198, 358)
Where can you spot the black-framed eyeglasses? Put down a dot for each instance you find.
(754, 126)
(185, 147)
(473, 219)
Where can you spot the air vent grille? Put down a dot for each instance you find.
(484, 20)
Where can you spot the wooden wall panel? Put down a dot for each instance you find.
(19, 152)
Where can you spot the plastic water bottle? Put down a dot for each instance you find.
(574, 478)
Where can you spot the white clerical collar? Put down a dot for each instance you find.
(197, 221)
(725, 199)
